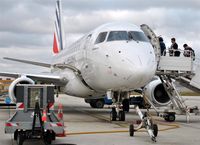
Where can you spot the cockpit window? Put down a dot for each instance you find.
(117, 36)
(137, 36)
(101, 37)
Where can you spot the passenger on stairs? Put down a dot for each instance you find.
(173, 50)
(162, 46)
(188, 51)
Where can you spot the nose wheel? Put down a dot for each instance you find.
(117, 114)
(113, 114)
(131, 130)
(120, 106)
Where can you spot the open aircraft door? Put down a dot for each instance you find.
(153, 39)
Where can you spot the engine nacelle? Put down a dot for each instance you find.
(20, 80)
(155, 91)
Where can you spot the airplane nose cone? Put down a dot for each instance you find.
(127, 66)
(135, 73)
(140, 69)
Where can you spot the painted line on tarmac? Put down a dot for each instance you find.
(103, 118)
(122, 124)
(125, 125)
(171, 126)
(96, 132)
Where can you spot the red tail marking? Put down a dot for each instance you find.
(55, 44)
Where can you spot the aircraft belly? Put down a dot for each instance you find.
(103, 77)
(75, 86)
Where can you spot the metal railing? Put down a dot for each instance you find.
(179, 53)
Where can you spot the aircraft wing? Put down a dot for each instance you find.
(29, 62)
(45, 78)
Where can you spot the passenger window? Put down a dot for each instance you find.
(101, 38)
(138, 36)
(117, 35)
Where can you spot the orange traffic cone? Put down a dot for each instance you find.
(44, 116)
(60, 111)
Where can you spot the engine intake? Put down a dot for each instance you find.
(155, 91)
(12, 87)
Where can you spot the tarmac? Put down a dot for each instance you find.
(87, 126)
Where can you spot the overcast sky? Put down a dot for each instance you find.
(27, 26)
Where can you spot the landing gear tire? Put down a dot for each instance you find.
(113, 115)
(170, 117)
(155, 130)
(126, 105)
(131, 130)
(121, 116)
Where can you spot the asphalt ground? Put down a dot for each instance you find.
(87, 126)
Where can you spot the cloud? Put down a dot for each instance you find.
(166, 22)
(25, 19)
(40, 54)
(88, 5)
(29, 40)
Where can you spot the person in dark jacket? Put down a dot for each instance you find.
(162, 46)
(188, 51)
(173, 50)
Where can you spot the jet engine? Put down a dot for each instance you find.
(20, 80)
(155, 91)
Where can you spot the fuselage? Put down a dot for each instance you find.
(115, 56)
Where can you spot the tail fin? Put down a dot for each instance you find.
(58, 41)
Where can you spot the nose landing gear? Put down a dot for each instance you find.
(120, 106)
(117, 113)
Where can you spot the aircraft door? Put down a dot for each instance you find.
(87, 45)
(154, 40)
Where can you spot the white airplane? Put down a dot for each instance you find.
(113, 59)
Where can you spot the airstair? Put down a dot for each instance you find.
(185, 70)
(169, 68)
